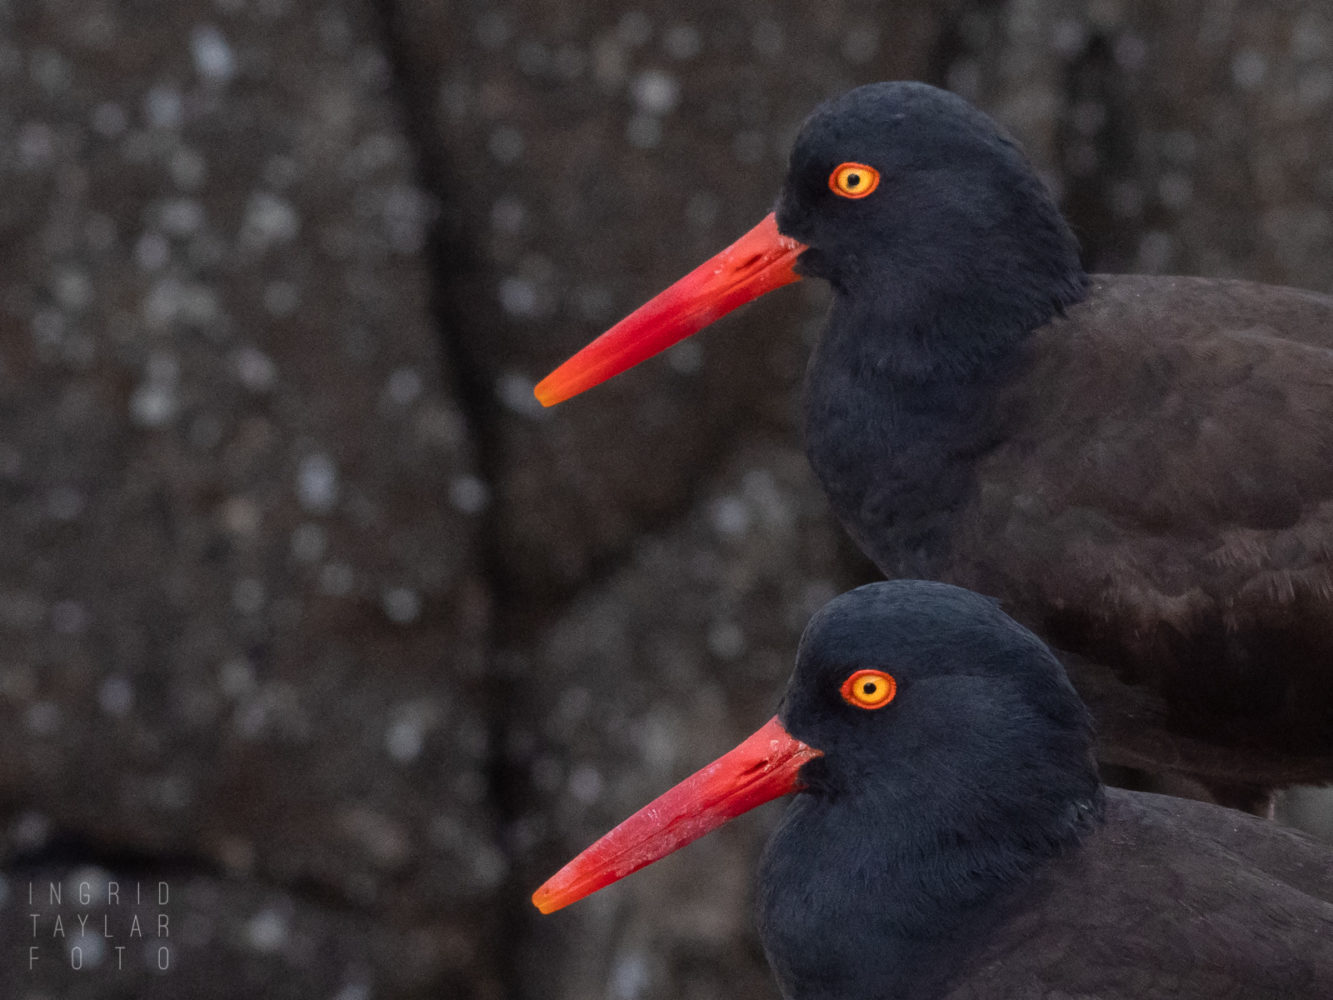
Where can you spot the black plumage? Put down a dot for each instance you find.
(956, 842)
(1141, 468)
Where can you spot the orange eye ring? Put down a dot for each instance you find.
(853, 180)
(869, 689)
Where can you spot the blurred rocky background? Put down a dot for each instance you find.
(311, 618)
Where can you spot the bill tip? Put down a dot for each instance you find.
(546, 394)
(545, 901)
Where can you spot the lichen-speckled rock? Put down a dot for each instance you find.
(308, 605)
(650, 675)
(239, 574)
(606, 150)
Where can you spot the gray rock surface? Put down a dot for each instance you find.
(308, 609)
(243, 602)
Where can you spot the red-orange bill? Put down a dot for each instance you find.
(763, 767)
(758, 262)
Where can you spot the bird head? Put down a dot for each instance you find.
(919, 703)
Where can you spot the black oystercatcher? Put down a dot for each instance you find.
(952, 838)
(1141, 468)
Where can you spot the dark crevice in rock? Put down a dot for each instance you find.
(450, 252)
(1095, 146)
(73, 849)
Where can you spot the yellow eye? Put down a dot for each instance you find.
(869, 689)
(853, 180)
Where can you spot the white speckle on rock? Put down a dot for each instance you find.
(860, 45)
(1068, 36)
(515, 393)
(42, 718)
(50, 70)
(686, 358)
(73, 290)
(519, 296)
(65, 503)
(1248, 69)
(151, 251)
(164, 107)
(248, 595)
(1130, 52)
(267, 931)
(585, 784)
(506, 144)
(610, 63)
(255, 369)
(153, 404)
(1156, 252)
(85, 951)
(404, 740)
(236, 677)
(242, 516)
(593, 302)
(268, 220)
(180, 216)
(404, 386)
(116, 696)
(469, 494)
(1175, 190)
(655, 92)
(682, 41)
(406, 735)
(629, 978)
(767, 38)
(213, 58)
(69, 617)
(726, 640)
(31, 830)
(317, 483)
(408, 213)
(402, 605)
(492, 30)
(171, 301)
(36, 145)
(729, 516)
(702, 209)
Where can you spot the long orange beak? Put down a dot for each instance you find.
(763, 767)
(758, 262)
